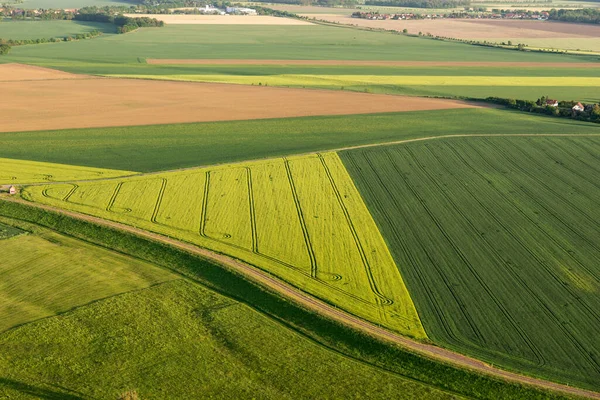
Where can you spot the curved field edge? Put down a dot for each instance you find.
(332, 248)
(494, 240)
(329, 333)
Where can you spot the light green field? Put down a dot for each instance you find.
(331, 247)
(45, 273)
(179, 340)
(21, 171)
(49, 29)
(560, 43)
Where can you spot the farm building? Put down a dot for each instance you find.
(12, 190)
(552, 103)
(578, 107)
(241, 10)
(8, 189)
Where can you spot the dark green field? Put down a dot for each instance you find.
(162, 147)
(499, 242)
(7, 231)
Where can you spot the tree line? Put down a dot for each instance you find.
(586, 15)
(590, 113)
(124, 24)
(419, 3)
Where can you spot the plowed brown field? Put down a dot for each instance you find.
(20, 72)
(28, 104)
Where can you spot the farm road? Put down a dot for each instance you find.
(291, 293)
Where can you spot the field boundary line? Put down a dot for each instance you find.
(289, 292)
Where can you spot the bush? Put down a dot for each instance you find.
(4, 49)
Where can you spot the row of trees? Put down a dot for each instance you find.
(124, 24)
(586, 15)
(6, 44)
(419, 3)
(591, 112)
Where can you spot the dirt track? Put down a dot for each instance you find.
(101, 102)
(322, 308)
(374, 63)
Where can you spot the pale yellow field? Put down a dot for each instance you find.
(300, 218)
(338, 81)
(182, 19)
(22, 171)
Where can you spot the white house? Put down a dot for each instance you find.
(552, 103)
(12, 190)
(578, 107)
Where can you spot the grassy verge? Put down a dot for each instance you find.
(324, 331)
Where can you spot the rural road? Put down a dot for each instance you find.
(296, 295)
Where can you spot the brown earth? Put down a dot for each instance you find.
(19, 72)
(374, 63)
(311, 303)
(473, 29)
(29, 105)
(179, 19)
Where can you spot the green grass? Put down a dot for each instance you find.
(315, 42)
(7, 231)
(498, 239)
(179, 340)
(332, 248)
(49, 29)
(161, 147)
(44, 273)
(317, 329)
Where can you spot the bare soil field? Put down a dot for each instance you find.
(99, 102)
(372, 63)
(171, 19)
(20, 72)
(473, 29)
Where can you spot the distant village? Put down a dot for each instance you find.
(496, 14)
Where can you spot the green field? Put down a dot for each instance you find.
(497, 239)
(163, 147)
(177, 341)
(19, 30)
(19, 172)
(44, 274)
(7, 231)
(331, 249)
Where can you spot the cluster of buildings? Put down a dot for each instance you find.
(210, 10)
(525, 15)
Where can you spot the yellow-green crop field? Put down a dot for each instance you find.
(299, 218)
(350, 80)
(45, 273)
(21, 171)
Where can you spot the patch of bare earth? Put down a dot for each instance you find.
(182, 19)
(473, 29)
(372, 63)
(20, 72)
(58, 104)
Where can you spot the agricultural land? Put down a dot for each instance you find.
(274, 207)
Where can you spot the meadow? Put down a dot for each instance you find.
(52, 273)
(165, 147)
(19, 30)
(331, 249)
(497, 239)
(18, 172)
(125, 329)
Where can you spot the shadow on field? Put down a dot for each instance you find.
(38, 392)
